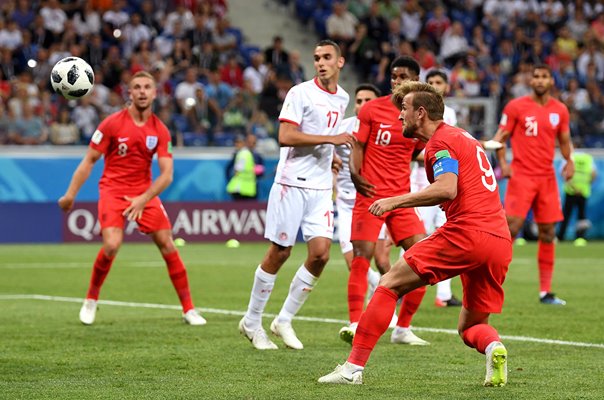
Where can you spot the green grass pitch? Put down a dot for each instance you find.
(135, 351)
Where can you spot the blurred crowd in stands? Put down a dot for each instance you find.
(213, 85)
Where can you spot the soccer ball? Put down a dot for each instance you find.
(72, 78)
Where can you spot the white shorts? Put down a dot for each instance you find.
(292, 208)
(434, 217)
(344, 207)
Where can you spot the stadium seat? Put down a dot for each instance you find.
(247, 51)
(320, 21)
(305, 9)
(194, 139)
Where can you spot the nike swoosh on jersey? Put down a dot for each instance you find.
(122, 139)
(385, 126)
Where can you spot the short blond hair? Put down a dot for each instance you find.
(424, 95)
(143, 74)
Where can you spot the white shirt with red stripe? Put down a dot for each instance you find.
(316, 112)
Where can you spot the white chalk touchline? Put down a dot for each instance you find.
(310, 319)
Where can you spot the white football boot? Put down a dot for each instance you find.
(497, 365)
(193, 318)
(345, 375)
(405, 336)
(258, 337)
(286, 332)
(88, 311)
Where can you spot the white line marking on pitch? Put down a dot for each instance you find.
(310, 319)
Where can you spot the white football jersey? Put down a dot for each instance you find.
(345, 187)
(316, 112)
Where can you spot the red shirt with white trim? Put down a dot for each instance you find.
(388, 154)
(534, 129)
(128, 151)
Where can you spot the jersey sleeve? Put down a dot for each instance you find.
(164, 141)
(363, 126)
(564, 120)
(509, 118)
(442, 158)
(101, 138)
(293, 107)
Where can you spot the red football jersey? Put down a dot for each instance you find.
(388, 154)
(477, 205)
(534, 129)
(128, 151)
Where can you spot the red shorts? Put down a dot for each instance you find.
(402, 222)
(481, 259)
(539, 193)
(154, 216)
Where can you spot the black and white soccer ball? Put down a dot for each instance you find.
(72, 78)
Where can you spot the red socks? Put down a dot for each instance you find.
(480, 336)
(373, 324)
(545, 259)
(411, 302)
(100, 269)
(178, 275)
(357, 287)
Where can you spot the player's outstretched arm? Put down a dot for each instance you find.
(137, 204)
(443, 189)
(291, 135)
(80, 176)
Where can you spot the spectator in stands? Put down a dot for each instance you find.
(117, 15)
(254, 76)
(375, 23)
(340, 26)
(389, 9)
(64, 131)
(225, 42)
(578, 25)
(185, 90)
(54, 18)
(10, 35)
(575, 97)
(199, 35)
(364, 51)
(114, 103)
(276, 55)
(411, 20)
(437, 24)
(86, 117)
(221, 92)
(184, 17)
(204, 115)
(293, 69)
(454, 44)
(207, 59)
(236, 115)
(23, 14)
(591, 55)
(87, 21)
(133, 34)
(28, 129)
(231, 72)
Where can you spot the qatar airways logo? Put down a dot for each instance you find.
(217, 222)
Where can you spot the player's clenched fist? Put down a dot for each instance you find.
(65, 202)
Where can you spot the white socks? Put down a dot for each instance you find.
(301, 286)
(443, 290)
(261, 291)
(373, 277)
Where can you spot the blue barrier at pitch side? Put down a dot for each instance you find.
(37, 180)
